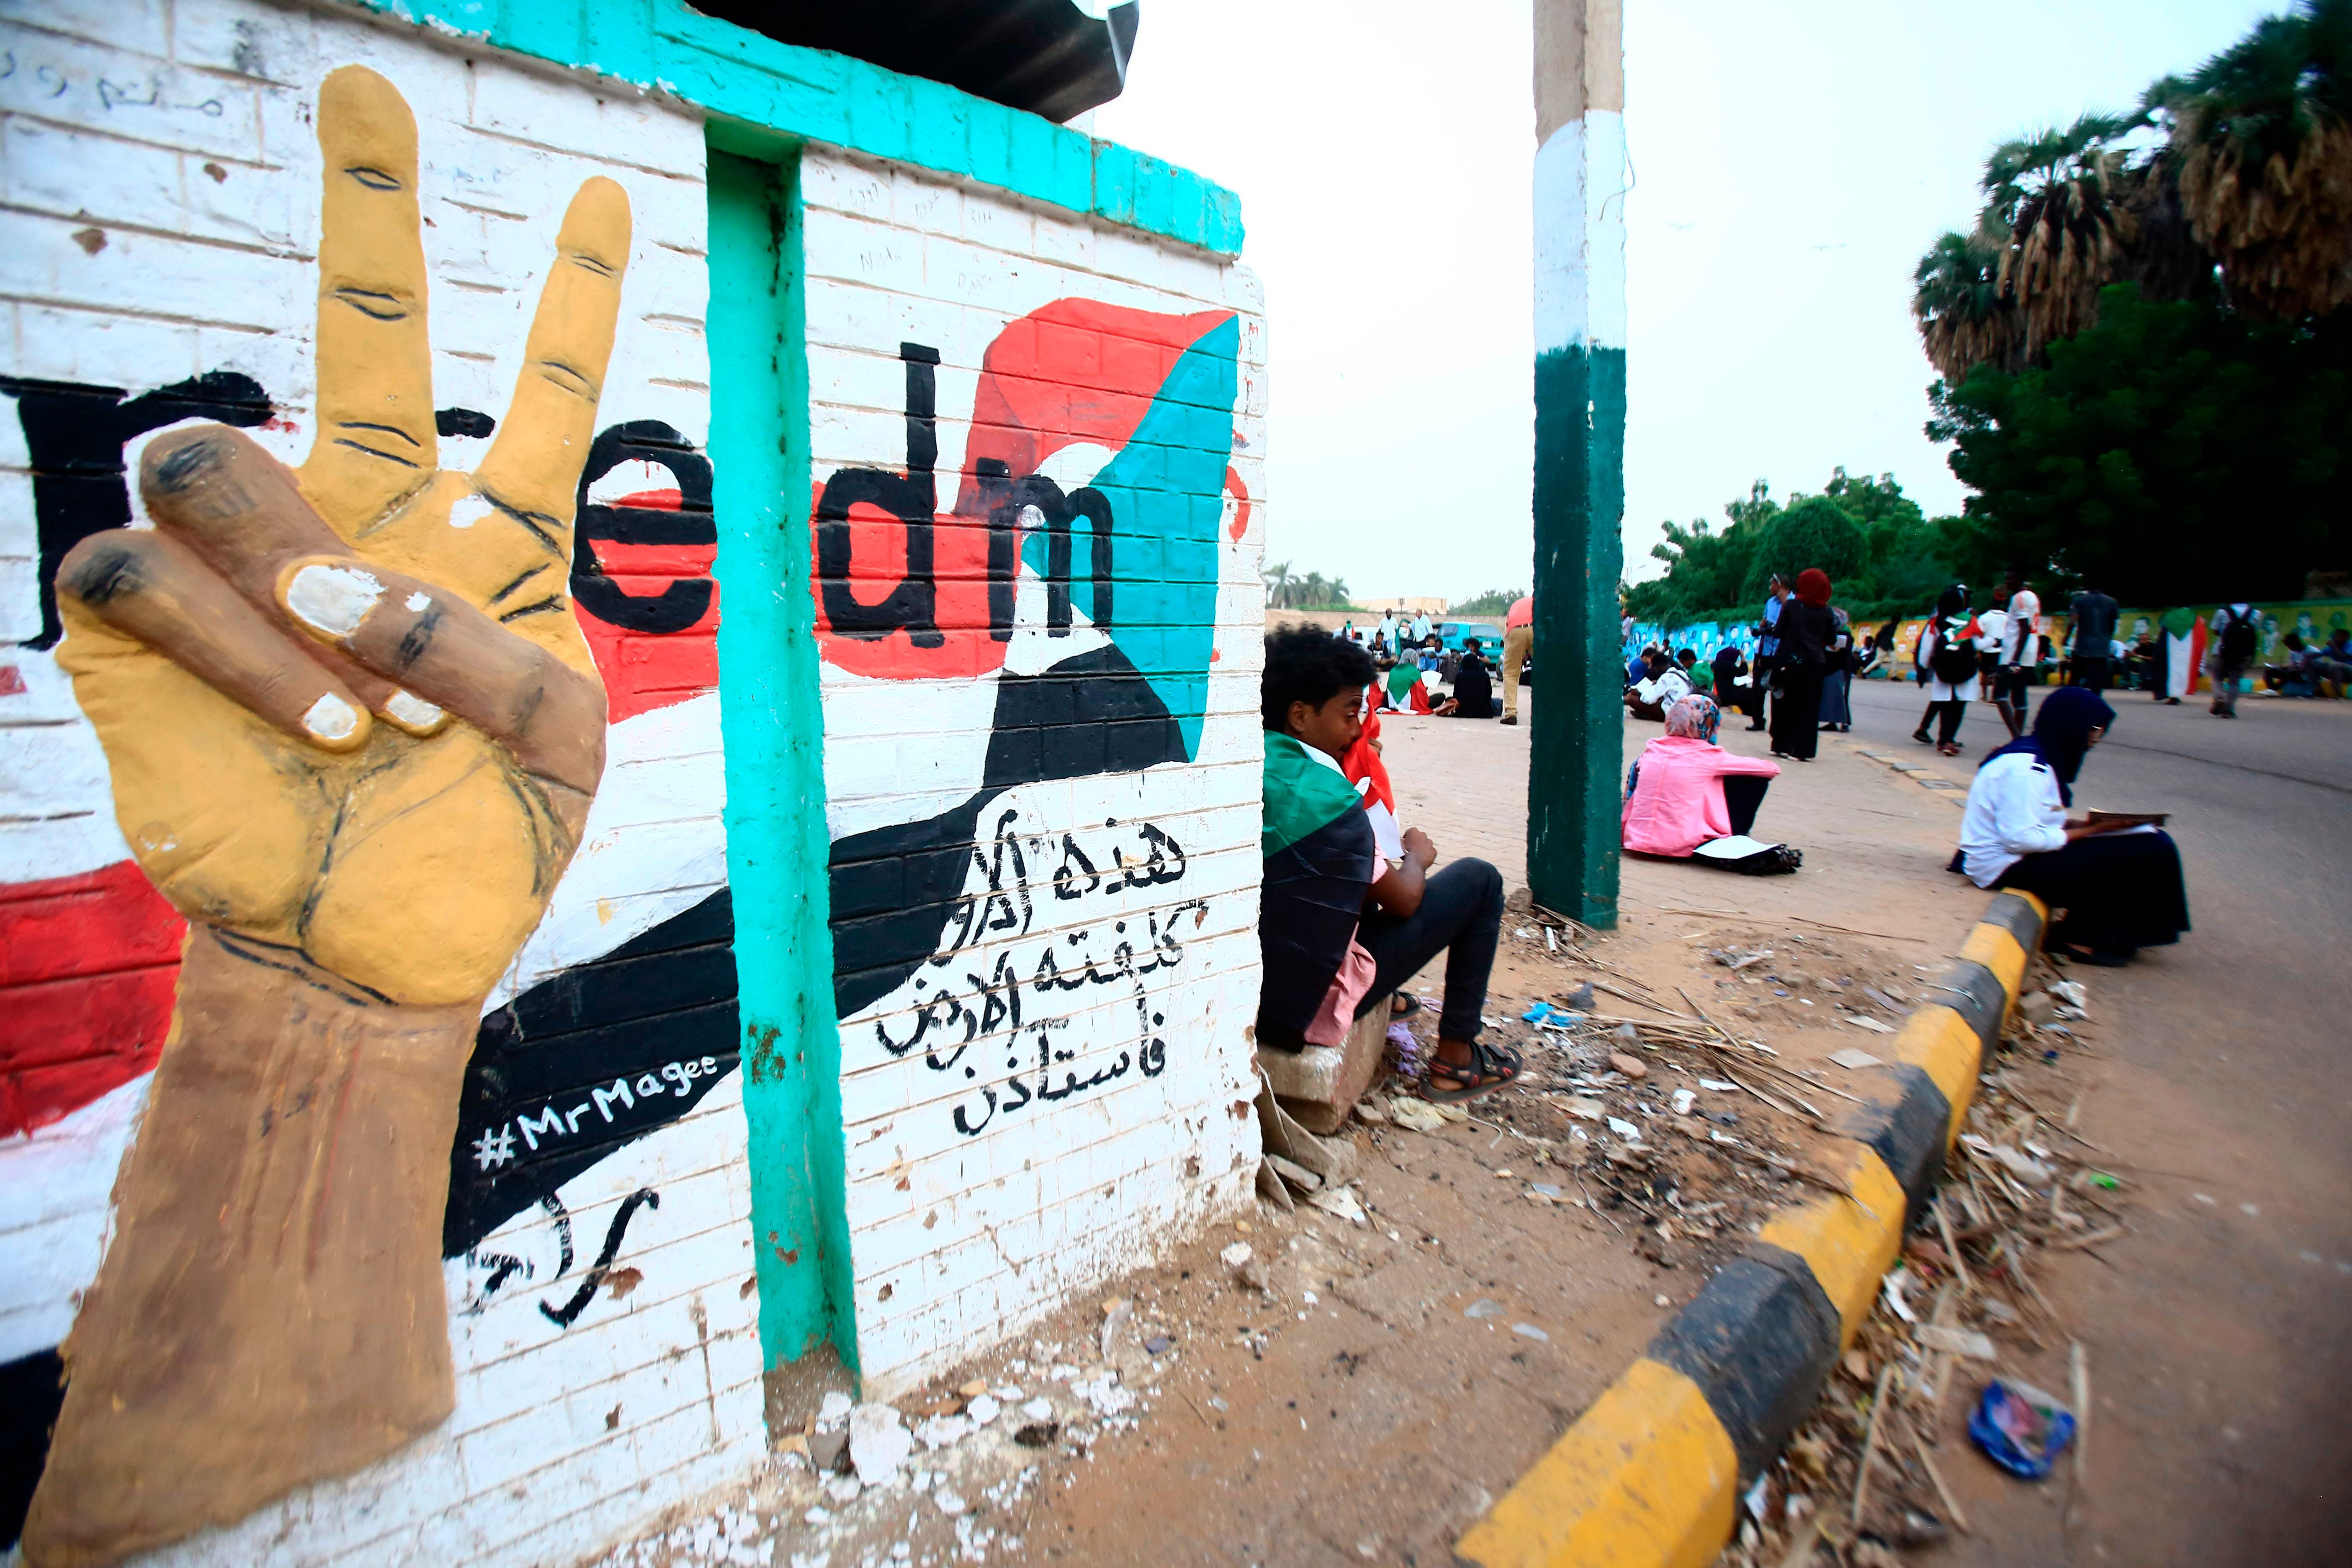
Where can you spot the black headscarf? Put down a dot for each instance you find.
(2062, 733)
(1952, 601)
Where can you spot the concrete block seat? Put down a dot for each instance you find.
(1320, 1084)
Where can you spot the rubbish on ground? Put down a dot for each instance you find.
(983, 1409)
(1038, 1409)
(1236, 1255)
(1584, 1109)
(1581, 999)
(1037, 1434)
(2070, 992)
(1418, 1115)
(1539, 1013)
(1545, 1190)
(1484, 1307)
(1370, 1111)
(1158, 1344)
(1955, 1341)
(1685, 1099)
(1631, 1067)
(1854, 1060)
(1720, 1084)
(1890, 1287)
(1118, 1316)
(1663, 1300)
(2020, 1428)
(1625, 1128)
(1340, 1203)
(1529, 1331)
(2024, 1167)
(2078, 1371)
(1865, 1021)
(879, 1444)
(1628, 1034)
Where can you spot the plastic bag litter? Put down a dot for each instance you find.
(2020, 1428)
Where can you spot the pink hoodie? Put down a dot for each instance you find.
(1677, 804)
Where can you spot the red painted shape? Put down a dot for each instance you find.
(88, 968)
(636, 680)
(1075, 371)
(1240, 492)
(12, 681)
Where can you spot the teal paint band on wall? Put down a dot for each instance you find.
(730, 71)
(774, 724)
(1574, 821)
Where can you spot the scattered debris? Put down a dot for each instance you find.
(2020, 1428)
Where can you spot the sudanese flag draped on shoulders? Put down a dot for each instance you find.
(1319, 865)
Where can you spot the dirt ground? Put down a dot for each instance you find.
(1382, 1367)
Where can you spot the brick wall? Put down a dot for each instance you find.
(162, 180)
(1041, 745)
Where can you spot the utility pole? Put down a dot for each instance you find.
(1574, 765)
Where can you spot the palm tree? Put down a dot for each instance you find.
(2263, 134)
(1277, 583)
(1966, 317)
(2068, 234)
(1338, 589)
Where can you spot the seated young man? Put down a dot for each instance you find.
(1663, 685)
(1344, 920)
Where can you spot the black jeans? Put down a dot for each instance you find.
(2090, 674)
(1948, 720)
(1461, 915)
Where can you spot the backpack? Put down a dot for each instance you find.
(2238, 638)
(1955, 660)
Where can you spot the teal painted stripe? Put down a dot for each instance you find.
(1574, 775)
(777, 846)
(738, 74)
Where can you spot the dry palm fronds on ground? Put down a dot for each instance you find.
(1963, 1306)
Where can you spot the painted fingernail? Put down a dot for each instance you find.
(411, 710)
(334, 599)
(332, 719)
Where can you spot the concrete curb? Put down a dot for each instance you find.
(1650, 1473)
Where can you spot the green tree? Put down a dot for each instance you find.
(1493, 602)
(1812, 530)
(2173, 452)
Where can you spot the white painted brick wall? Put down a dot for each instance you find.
(182, 132)
(959, 1241)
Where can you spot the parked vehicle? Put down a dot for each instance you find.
(1452, 635)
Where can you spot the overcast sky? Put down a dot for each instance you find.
(1791, 162)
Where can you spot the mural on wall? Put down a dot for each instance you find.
(354, 732)
(1005, 942)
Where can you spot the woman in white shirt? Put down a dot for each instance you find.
(1948, 654)
(2112, 889)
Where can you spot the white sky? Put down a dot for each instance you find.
(1791, 162)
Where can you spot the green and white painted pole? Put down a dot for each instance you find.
(1574, 768)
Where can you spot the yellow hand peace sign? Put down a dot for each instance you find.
(236, 659)
(354, 732)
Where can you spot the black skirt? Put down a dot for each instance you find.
(2111, 894)
(1797, 711)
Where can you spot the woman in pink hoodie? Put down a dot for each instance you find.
(1689, 797)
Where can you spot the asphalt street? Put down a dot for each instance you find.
(2216, 1331)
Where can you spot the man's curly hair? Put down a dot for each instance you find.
(1306, 664)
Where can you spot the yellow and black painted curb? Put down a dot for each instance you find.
(1651, 1474)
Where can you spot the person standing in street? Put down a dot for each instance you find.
(1768, 649)
(2021, 651)
(2236, 637)
(1837, 675)
(2093, 614)
(1806, 630)
(1519, 642)
(1386, 634)
(1948, 658)
(1420, 627)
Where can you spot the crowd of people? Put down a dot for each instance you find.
(1353, 902)
(2114, 881)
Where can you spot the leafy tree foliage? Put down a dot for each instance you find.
(1493, 602)
(1870, 537)
(1312, 592)
(2174, 452)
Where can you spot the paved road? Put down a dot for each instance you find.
(2218, 1332)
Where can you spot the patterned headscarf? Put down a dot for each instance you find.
(1694, 717)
